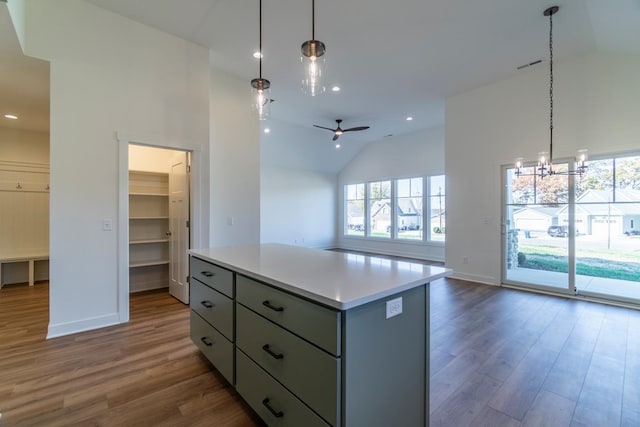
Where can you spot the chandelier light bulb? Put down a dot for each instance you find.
(583, 156)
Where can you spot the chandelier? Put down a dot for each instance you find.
(545, 158)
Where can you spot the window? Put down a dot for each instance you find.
(380, 209)
(437, 208)
(354, 209)
(409, 214)
(406, 209)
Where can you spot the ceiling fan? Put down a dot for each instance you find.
(339, 131)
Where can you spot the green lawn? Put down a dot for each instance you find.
(623, 265)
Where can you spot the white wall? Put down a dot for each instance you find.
(235, 168)
(403, 156)
(108, 74)
(298, 207)
(18, 145)
(595, 107)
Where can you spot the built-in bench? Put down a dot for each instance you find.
(30, 259)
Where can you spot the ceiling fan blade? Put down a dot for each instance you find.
(322, 127)
(336, 136)
(356, 128)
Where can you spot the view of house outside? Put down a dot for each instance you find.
(369, 209)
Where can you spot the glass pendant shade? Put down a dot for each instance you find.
(261, 96)
(543, 161)
(313, 61)
(582, 157)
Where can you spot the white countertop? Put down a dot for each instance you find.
(339, 280)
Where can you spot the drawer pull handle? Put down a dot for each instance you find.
(207, 273)
(206, 341)
(277, 414)
(207, 304)
(271, 306)
(274, 355)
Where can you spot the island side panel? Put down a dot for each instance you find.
(385, 363)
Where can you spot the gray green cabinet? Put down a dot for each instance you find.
(297, 361)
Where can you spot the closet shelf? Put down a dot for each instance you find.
(148, 217)
(142, 242)
(148, 263)
(150, 194)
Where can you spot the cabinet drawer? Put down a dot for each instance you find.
(313, 322)
(213, 307)
(213, 345)
(271, 401)
(218, 278)
(310, 373)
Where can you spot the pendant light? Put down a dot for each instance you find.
(313, 60)
(545, 158)
(261, 93)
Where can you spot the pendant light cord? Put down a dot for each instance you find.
(313, 19)
(260, 47)
(550, 89)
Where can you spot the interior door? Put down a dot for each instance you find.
(179, 227)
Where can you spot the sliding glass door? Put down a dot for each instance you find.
(576, 235)
(607, 220)
(536, 240)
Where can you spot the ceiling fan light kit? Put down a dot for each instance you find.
(545, 158)
(261, 88)
(339, 131)
(313, 60)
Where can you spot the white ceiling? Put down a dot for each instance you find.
(24, 82)
(391, 59)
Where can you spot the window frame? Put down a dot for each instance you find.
(393, 234)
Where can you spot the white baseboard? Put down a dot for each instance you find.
(485, 280)
(62, 329)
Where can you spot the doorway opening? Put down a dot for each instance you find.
(159, 219)
(24, 190)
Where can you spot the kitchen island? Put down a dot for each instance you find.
(312, 337)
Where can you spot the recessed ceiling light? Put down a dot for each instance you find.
(337, 145)
(409, 118)
(11, 116)
(267, 130)
(336, 89)
(257, 55)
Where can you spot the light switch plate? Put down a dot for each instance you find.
(107, 224)
(394, 307)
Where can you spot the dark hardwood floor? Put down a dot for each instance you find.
(499, 357)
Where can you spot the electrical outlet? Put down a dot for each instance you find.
(107, 224)
(465, 260)
(394, 307)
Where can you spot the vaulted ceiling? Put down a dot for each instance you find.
(390, 59)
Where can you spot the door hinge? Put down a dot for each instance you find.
(188, 168)
(188, 224)
(187, 279)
